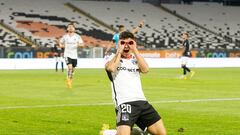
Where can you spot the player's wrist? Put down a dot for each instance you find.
(118, 53)
(136, 52)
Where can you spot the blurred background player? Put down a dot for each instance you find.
(70, 42)
(58, 54)
(115, 39)
(185, 56)
(124, 70)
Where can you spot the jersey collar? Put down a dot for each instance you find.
(128, 57)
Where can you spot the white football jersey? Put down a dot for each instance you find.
(71, 45)
(126, 82)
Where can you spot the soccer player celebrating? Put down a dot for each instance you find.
(124, 70)
(186, 54)
(70, 42)
(121, 28)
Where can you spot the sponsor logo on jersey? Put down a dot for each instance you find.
(127, 69)
(134, 62)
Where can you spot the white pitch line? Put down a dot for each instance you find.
(106, 104)
(50, 106)
(196, 100)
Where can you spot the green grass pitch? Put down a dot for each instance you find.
(37, 102)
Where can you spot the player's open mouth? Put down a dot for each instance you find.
(126, 51)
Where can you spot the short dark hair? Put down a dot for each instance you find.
(186, 33)
(126, 34)
(71, 24)
(121, 26)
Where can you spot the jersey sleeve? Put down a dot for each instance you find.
(188, 44)
(114, 38)
(62, 40)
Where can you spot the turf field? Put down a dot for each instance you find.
(37, 102)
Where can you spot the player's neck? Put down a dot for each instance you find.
(70, 33)
(126, 56)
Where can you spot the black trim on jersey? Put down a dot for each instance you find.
(187, 51)
(114, 90)
(109, 76)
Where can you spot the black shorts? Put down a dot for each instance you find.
(187, 54)
(71, 61)
(137, 112)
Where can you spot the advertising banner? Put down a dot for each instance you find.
(46, 52)
(97, 52)
(27, 52)
(164, 53)
(195, 53)
(218, 53)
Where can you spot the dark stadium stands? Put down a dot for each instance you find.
(8, 39)
(220, 19)
(43, 21)
(162, 29)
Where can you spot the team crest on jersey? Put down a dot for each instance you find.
(134, 61)
(125, 117)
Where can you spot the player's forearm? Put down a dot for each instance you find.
(135, 30)
(113, 64)
(142, 64)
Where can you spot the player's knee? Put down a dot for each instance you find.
(123, 133)
(162, 132)
(70, 68)
(159, 131)
(123, 130)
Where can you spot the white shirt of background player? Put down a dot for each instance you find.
(71, 43)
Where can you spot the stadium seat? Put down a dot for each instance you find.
(158, 22)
